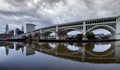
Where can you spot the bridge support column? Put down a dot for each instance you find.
(118, 28)
(41, 37)
(84, 30)
(117, 52)
(56, 48)
(57, 37)
(83, 51)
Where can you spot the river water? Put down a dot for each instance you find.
(59, 56)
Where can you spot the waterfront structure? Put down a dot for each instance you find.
(3, 36)
(112, 24)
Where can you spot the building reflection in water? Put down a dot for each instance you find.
(29, 50)
(82, 52)
(7, 46)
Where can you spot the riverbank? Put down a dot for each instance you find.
(45, 40)
(110, 40)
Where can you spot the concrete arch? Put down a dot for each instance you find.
(66, 30)
(89, 50)
(109, 28)
(46, 35)
(62, 33)
(47, 32)
(71, 29)
(61, 48)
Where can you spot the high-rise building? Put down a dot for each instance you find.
(7, 29)
(4, 36)
(30, 27)
(22, 28)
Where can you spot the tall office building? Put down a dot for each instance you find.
(6, 29)
(7, 33)
(22, 28)
(30, 27)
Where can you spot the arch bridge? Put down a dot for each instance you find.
(111, 24)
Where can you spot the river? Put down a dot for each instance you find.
(59, 56)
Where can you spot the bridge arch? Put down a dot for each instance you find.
(46, 34)
(109, 28)
(75, 29)
(63, 32)
(107, 52)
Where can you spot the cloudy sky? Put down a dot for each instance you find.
(49, 12)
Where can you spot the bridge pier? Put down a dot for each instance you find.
(56, 48)
(83, 51)
(41, 34)
(57, 37)
(118, 28)
(117, 52)
(84, 30)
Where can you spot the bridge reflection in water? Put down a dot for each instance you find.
(81, 52)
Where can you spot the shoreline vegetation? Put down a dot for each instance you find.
(89, 37)
(60, 40)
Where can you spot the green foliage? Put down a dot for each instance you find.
(79, 36)
(90, 35)
(36, 35)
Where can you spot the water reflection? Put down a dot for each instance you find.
(7, 46)
(101, 47)
(81, 52)
(73, 47)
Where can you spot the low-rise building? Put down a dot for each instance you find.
(3, 36)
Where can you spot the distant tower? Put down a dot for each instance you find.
(7, 50)
(22, 49)
(6, 29)
(22, 28)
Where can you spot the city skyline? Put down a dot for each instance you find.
(16, 13)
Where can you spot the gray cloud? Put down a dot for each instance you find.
(50, 12)
(17, 3)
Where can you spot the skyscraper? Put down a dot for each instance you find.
(6, 29)
(22, 28)
(30, 27)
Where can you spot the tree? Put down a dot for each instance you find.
(79, 36)
(90, 35)
(30, 37)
